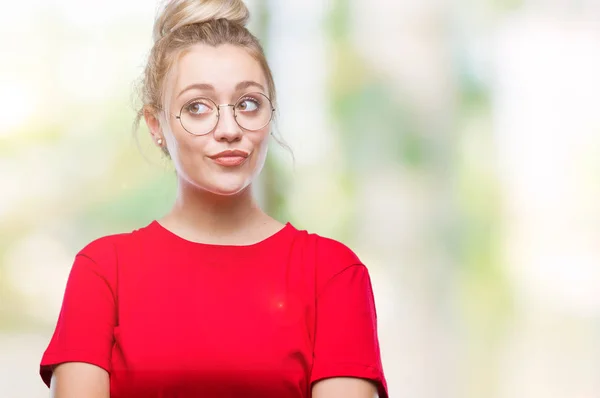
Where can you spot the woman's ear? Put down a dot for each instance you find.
(151, 117)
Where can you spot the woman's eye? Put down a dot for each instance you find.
(198, 108)
(248, 105)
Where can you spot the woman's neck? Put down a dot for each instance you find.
(203, 216)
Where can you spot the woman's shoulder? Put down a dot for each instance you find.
(105, 247)
(328, 248)
(332, 255)
(334, 251)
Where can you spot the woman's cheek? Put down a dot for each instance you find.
(262, 156)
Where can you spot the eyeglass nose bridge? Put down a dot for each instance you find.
(219, 110)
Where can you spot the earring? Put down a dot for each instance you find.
(159, 142)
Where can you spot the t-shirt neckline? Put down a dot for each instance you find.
(269, 241)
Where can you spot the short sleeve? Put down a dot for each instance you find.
(84, 330)
(346, 341)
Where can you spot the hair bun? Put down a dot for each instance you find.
(178, 13)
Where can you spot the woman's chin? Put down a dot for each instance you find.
(227, 188)
(228, 192)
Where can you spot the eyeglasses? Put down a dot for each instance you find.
(200, 116)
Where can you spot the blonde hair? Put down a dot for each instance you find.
(183, 23)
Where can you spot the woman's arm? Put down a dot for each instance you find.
(79, 379)
(346, 354)
(78, 357)
(346, 387)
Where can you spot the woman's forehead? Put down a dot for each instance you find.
(223, 67)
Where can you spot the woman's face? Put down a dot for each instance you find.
(215, 153)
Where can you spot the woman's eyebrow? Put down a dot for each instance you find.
(209, 87)
(197, 86)
(247, 84)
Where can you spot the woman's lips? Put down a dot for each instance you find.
(230, 157)
(229, 161)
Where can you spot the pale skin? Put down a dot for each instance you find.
(214, 204)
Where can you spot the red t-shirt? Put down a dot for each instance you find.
(167, 317)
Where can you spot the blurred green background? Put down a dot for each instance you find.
(453, 145)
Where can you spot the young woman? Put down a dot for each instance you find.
(215, 299)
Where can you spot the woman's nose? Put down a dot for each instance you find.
(227, 128)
